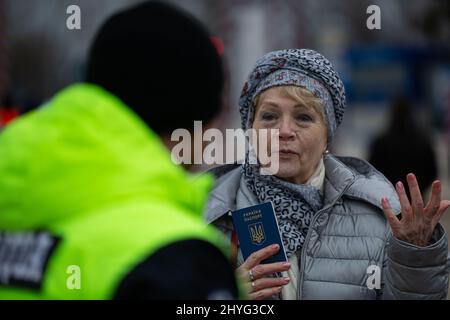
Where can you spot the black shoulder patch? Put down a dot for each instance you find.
(24, 257)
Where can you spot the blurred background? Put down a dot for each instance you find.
(397, 78)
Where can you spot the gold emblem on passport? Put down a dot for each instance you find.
(257, 233)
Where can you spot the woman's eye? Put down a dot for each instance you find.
(268, 116)
(304, 117)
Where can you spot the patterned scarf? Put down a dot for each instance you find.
(294, 204)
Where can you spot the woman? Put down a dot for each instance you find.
(347, 232)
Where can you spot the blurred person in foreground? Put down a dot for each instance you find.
(348, 234)
(91, 205)
(404, 147)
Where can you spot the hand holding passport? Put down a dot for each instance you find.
(259, 238)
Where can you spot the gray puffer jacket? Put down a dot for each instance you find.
(347, 236)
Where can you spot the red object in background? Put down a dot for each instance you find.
(218, 43)
(7, 115)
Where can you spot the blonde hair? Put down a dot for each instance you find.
(300, 95)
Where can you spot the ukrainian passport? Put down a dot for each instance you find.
(256, 228)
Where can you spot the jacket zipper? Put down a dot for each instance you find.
(308, 235)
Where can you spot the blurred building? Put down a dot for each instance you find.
(410, 54)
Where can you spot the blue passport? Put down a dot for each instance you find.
(256, 228)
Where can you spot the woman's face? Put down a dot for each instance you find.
(302, 134)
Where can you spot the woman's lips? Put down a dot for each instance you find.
(287, 153)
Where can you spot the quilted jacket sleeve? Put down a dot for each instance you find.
(412, 272)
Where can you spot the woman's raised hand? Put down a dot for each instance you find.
(253, 274)
(417, 222)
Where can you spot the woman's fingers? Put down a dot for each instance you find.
(404, 202)
(253, 273)
(444, 205)
(263, 270)
(416, 196)
(251, 270)
(265, 293)
(256, 257)
(418, 222)
(267, 283)
(390, 216)
(434, 204)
